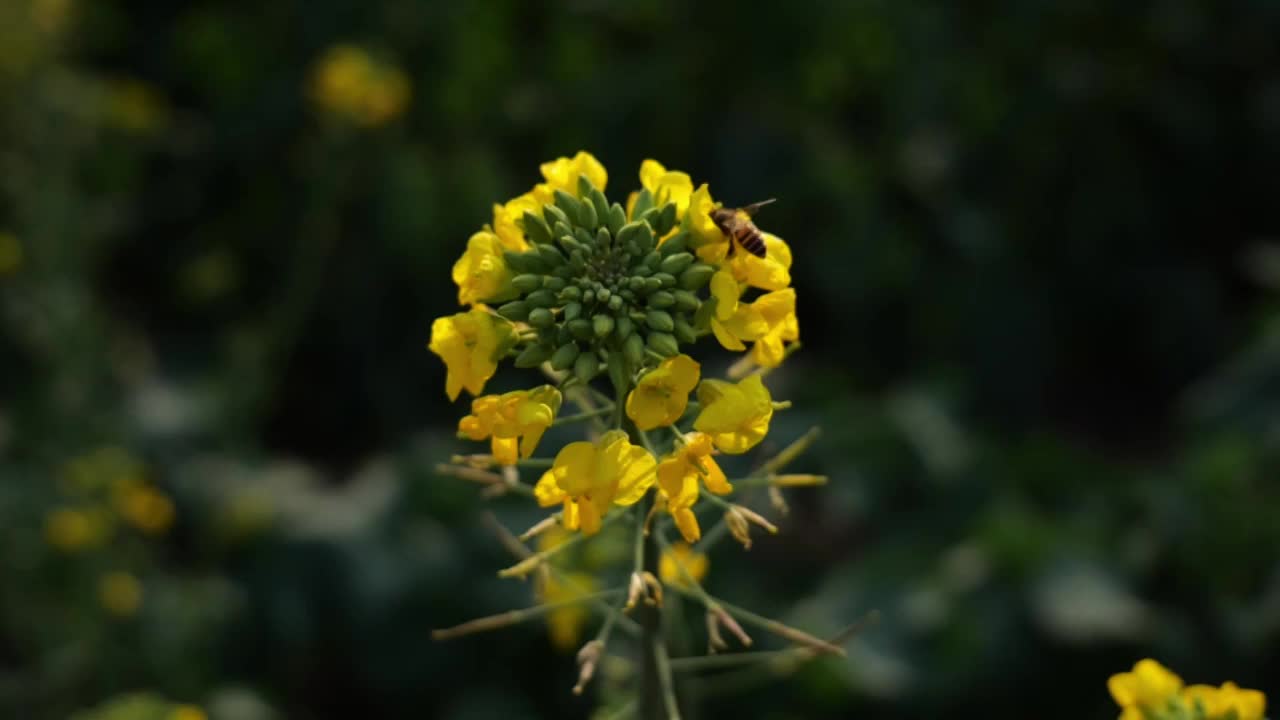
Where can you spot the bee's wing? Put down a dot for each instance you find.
(753, 208)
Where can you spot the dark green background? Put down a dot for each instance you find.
(1036, 257)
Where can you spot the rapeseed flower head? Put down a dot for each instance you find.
(565, 623)
(662, 394)
(681, 559)
(1227, 701)
(587, 477)
(515, 421)
(470, 343)
(1150, 691)
(736, 416)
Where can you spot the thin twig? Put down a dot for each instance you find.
(512, 617)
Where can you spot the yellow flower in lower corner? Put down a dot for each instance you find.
(733, 321)
(681, 556)
(1221, 702)
(779, 312)
(563, 173)
(481, 274)
(565, 624)
(1148, 687)
(470, 344)
(662, 395)
(736, 416)
(515, 421)
(588, 477)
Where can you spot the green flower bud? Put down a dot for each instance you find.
(533, 356)
(603, 294)
(616, 218)
(622, 326)
(615, 303)
(535, 228)
(661, 300)
(676, 263)
(571, 293)
(541, 318)
(642, 271)
(555, 215)
(570, 244)
(667, 279)
(696, 276)
(564, 356)
(638, 233)
(580, 328)
(644, 201)
(587, 239)
(602, 325)
(653, 260)
(598, 200)
(684, 331)
(659, 320)
(663, 344)
(589, 297)
(570, 205)
(572, 310)
(554, 283)
(514, 310)
(527, 282)
(667, 219)
(577, 261)
(550, 255)
(586, 366)
(602, 237)
(686, 301)
(652, 284)
(587, 216)
(540, 299)
(627, 295)
(525, 262)
(619, 372)
(702, 318)
(677, 243)
(633, 350)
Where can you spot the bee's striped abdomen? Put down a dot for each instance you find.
(750, 238)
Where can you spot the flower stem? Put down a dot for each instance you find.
(512, 617)
(579, 417)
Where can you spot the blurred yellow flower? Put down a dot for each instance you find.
(470, 344)
(736, 416)
(1148, 687)
(142, 506)
(1219, 703)
(481, 274)
(566, 623)
(587, 477)
(563, 173)
(661, 396)
(72, 530)
(693, 459)
(733, 321)
(347, 81)
(681, 555)
(10, 253)
(778, 309)
(134, 106)
(187, 712)
(520, 416)
(506, 217)
(51, 15)
(120, 593)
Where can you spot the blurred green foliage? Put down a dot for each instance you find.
(1036, 256)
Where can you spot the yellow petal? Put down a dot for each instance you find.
(637, 476)
(726, 292)
(505, 450)
(575, 468)
(589, 516)
(687, 522)
(547, 492)
(646, 408)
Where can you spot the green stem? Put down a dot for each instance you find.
(512, 617)
(579, 417)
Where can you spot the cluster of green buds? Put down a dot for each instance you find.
(599, 290)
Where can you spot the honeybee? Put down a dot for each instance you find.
(736, 224)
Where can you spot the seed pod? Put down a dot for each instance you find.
(525, 262)
(661, 300)
(572, 310)
(696, 276)
(686, 301)
(622, 327)
(644, 201)
(527, 282)
(571, 206)
(676, 263)
(515, 310)
(533, 356)
(659, 320)
(684, 331)
(586, 366)
(580, 328)
(615, 303)
(540, 299)
(616, 218)
(633, 349)
(667, 279)
(541, 318)
(663, 344)
(550, 255)
(535, 228)
(554, 283)
(677, 243)
(571, 293)
(619, 372)
(602, 325)
(564, 356)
